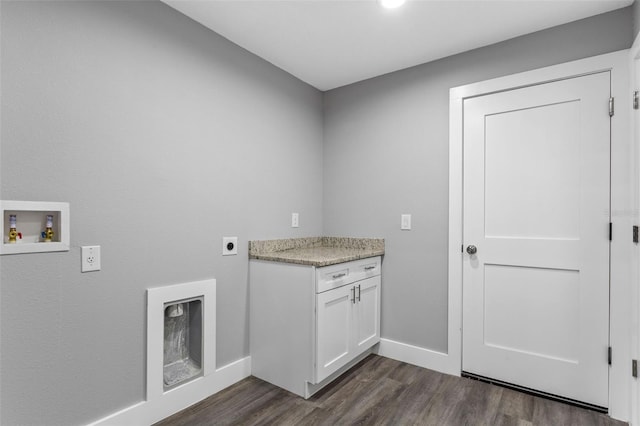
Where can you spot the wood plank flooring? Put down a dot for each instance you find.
(381, 391)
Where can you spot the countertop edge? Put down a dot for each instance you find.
(278, 257)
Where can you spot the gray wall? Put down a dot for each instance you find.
(163, 137)
(386, 153)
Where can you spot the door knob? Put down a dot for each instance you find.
(472, 249)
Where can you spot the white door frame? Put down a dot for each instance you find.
(634, 70)
(622, 189)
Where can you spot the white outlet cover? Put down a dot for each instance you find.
(90, 258)
(229, 246)
(295, 220)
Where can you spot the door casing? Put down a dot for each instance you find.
(634, 67)
(622, 187)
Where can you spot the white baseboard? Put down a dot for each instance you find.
(416, 355)
(149, 412)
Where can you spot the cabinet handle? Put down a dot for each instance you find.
(358, 292)
(368, 268)
(340, 275)
(353, 295)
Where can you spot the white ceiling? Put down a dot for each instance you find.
(332, 43)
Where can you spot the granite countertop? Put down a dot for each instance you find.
(316, 251)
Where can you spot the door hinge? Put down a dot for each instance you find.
(634, 368)
(609, 355)
(636, 101)
(610, 231)
(635, 234)
(611, 107)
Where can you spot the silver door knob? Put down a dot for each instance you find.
(472, 249)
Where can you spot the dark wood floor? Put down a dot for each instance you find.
(381, 391)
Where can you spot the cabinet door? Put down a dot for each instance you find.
(367, 314)
(334, 330)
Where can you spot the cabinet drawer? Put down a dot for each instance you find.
(335, 276)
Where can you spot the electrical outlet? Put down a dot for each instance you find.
(295, 220)
(90, 258)
(229, 246)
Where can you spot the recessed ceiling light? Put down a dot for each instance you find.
(391, 4)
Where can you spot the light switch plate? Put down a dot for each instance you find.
(90, 258)
(405, 222)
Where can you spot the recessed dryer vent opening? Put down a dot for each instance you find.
(182, 341)
(181, 336)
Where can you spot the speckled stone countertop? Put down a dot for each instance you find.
(316, 251)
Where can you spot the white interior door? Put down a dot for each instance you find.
(537, 209)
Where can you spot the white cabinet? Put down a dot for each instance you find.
(348, 323)
(367, 314)
(308, 324)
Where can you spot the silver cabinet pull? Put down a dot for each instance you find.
(358, 292)
(353, 295)
(340, 275)
(368, 268)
